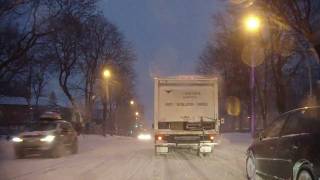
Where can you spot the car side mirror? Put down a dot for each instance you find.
(258, 135)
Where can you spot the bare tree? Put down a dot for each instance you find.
(65, 43)
(273, 78)
(98, 33)
(39, 81)
(52, 99)
(21, 28)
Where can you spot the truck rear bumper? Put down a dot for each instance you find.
(185, 144)
(202, 147)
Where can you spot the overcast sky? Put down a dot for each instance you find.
(167, 35)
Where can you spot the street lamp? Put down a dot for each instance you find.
(252, 25)
(106, 76)
(137, 113)
(106, 73)
(131, 102)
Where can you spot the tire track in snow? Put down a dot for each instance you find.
(40, 170)
(68, 160)
(193, 167)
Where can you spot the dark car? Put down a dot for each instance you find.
(50, 138)
(289, 148)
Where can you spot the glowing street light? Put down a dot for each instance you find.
(252, 23)
(107, 73)
(131, 102)
(137, 113)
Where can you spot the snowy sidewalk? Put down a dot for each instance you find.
(127, 158)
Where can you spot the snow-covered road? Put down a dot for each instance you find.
(128, 158)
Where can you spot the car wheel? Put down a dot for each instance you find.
(74, 148)
(57, 151)
(305, 175)
(19, 154)
(251, 167)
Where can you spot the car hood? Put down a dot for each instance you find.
(37, 133)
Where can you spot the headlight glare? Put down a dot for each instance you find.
(17, 139)
(48, 138)
(144, 137)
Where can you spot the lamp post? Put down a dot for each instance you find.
(106, 76)
(252, 25)
(131, 102)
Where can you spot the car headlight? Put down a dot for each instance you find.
(48, 138)
(144, 137)
(17, 139)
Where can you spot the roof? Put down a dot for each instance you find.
(188, 77)
(51, 115)
(302, 108)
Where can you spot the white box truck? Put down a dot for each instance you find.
(186, 113)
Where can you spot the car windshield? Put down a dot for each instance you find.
(160, 89)
(40, 126)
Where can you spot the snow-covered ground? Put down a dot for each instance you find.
(128, 158)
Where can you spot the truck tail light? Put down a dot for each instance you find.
(211, 137)
(159, 137)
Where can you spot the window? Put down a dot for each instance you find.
(68, 126)
(65, 127)
(40, 126)
(303, 121)
(293, 125)
(310, 122)
(275, 128)
(163, 125)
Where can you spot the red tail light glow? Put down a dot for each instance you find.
(211, 137)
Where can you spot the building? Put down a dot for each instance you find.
(16, 110)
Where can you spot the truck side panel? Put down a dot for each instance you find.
(156, 100)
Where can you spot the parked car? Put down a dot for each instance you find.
(50, 137)
(289, 148)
